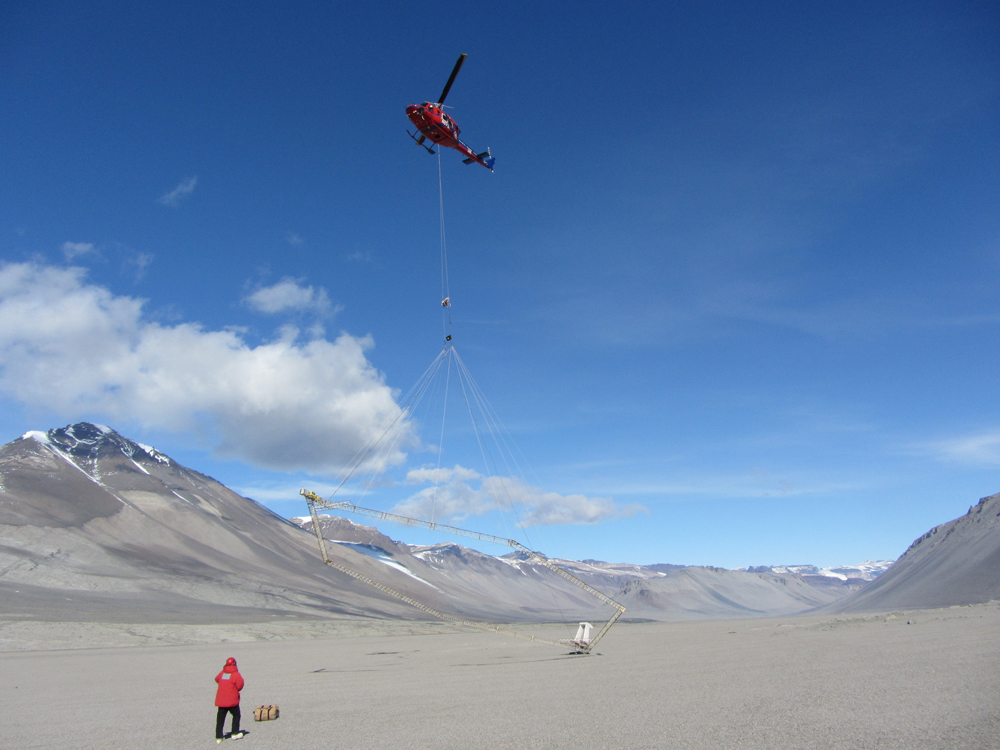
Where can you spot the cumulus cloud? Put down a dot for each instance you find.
(551, 508)
(175, 197)
(76, 348)
(455, 500)
(73, 249)
(456, 497)
(287, 295)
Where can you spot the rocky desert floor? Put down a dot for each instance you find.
(906, 680)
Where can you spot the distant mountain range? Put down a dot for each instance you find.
(866, 571)
(94, 526)
(653, 592)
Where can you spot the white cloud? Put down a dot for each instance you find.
(424, 475)
(550, 508)
(75, 348)
(981, 449)
(288, 294)
(175, 197)
(294, 239)
(73, 249)
(455, 501)
(456, 498)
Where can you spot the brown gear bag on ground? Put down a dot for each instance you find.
(265, 713)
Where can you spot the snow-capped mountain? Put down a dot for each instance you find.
(86, 442)
(95, 526)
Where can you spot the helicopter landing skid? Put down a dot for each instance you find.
(420, 142)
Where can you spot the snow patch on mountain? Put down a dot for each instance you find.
(154, 454)
(139, 466)
(516, 564)
(866, 571)
(182, 497)
(439, 554)
(377, 553)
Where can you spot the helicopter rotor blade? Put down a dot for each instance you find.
(451, 79)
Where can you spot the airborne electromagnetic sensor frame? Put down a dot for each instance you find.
(583, 643)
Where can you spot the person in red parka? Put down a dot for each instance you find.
(227, 699)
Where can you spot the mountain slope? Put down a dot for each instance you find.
(93, 522)
(955, 563)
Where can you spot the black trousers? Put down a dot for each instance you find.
(221, 719)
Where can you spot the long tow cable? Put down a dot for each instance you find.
(445, 285)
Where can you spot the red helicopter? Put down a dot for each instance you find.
(431, 122)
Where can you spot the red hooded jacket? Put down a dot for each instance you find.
(230, 684)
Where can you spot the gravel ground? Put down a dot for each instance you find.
(909, 680)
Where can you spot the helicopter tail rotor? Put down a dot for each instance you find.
(484, 158)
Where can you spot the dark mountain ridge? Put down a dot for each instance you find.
(956, 563)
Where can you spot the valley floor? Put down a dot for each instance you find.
(910, 680)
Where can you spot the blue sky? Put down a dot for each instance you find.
(732, 288)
